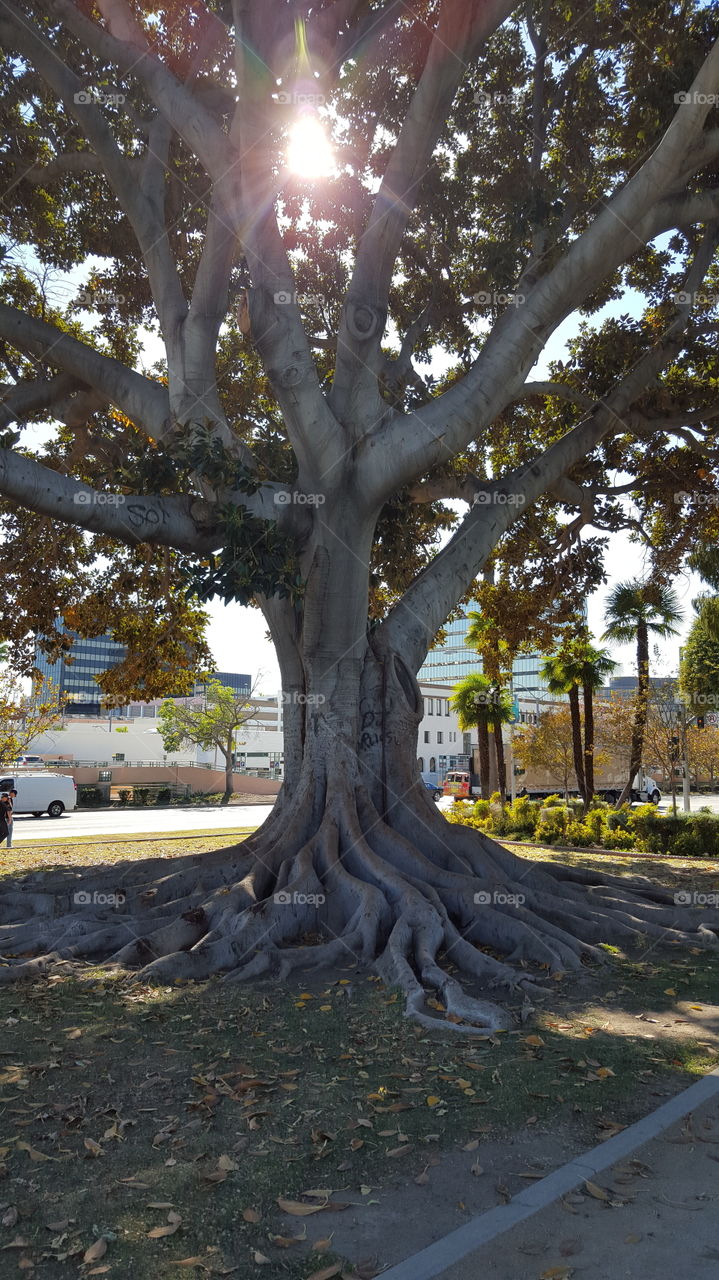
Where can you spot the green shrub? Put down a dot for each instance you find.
(552, 824)
(550, 802)
(124, 795)
(141, 794)
(89, 797)
(481, 809)
(624, 841)
(595, 822)
(164, 795)
(577, 833)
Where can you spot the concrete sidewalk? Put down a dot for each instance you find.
(652, 1215)
(661, 1221)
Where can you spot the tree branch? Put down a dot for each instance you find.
(463, 26)
(145, 402)
(411, 625)
(406, 446)
(180, 522)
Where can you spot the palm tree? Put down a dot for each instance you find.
(636, 610)
(561, 676)
(596, 666)
(501, 712)
(471, 699)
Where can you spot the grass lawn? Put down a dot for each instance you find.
(156, 1127)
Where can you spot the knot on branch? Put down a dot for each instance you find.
(363, 320)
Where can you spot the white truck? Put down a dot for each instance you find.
(608, 785)
(38, 793)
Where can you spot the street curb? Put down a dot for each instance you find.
(436, 1258)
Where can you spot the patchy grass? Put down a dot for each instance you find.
(212, 1101)
(84, 851)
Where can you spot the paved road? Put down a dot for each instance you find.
(117, 824)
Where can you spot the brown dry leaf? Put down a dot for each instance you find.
(95, 1251)
(322, 1246)
(356, 1143)
(284, 1242)
(298, 1210)
(260, 1259)
(598, 1192)
(157, 1204)
(93, 1148)
(422, 1178)
(251, 1215)
(226, 1163)
(477, 1170)
(557, 1273)
(33, 1154)
(173, 1222)
(190, 1262)
(471, 1145)
(535, 1041)
(318, 1193)
(10, 1216)
(100, 1271)
(400, 1151)
(327, 1273)
(632, 1239)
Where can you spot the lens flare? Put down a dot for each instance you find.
(309, 151)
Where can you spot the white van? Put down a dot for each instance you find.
(37, 793)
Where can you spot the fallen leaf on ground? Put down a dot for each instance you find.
(598, 1192)
(173, 1222)
(96, 1251)
(251, 1215)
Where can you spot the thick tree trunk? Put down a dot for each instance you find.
(354, 864)
(577, 748)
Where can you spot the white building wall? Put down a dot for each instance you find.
(440, 738)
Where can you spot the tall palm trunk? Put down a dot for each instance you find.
(501, 766)
(483, 743)
(640, 713)
(577, 740)
(588, 695)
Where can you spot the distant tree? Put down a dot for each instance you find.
(25, 716)
(703, 754)
(471, 700)
(636, 610)
(561, 676)
(549, 746)
(212, 725)
(699, 672)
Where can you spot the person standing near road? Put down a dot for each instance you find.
(5, 818)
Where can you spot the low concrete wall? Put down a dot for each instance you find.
(199, 780)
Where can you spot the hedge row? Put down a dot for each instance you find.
(553, 821)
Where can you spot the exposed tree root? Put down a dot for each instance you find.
(419, 900)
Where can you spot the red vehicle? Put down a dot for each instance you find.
(459, 784)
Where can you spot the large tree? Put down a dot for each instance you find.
(336, 357)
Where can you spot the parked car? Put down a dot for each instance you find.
(435, 792)
(37, 793)
(26, 760)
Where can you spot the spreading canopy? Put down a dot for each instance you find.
(495, 171)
